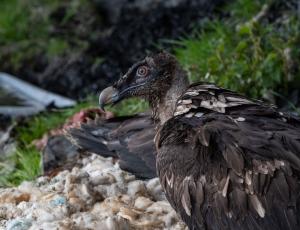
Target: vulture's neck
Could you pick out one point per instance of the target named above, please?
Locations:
(164, 106)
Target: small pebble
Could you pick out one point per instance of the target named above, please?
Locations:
(18, 224)
(142, 203)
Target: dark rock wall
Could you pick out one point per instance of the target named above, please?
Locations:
(117, 31)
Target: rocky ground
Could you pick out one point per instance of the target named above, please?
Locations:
(95, 195)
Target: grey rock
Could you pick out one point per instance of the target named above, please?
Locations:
(19, 98)
(59, 152)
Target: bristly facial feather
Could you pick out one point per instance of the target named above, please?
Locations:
(153, 79)
(149, 78)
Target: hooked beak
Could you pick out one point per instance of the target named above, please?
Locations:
(109, 95)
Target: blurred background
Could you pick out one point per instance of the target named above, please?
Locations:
(71, 49)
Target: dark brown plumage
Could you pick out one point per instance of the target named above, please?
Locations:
(127, 139)
(224, 161)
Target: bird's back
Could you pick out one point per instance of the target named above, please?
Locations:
(229, 162)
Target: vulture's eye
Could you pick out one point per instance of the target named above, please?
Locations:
(142, 71)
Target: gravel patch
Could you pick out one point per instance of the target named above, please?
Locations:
(99, 195)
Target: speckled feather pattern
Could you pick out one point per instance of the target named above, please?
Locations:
(228, 162)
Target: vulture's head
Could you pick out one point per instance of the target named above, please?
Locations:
(149, 79)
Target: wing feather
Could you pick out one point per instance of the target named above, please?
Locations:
(129, 139)
(248, 153)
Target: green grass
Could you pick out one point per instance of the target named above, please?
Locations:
(27, 167)
(26, 30)
(240, 54)
(244, 9)
(18, 40)
(40, 124)
(129, 106)
(27, 158)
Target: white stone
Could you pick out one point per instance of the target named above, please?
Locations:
(142, 203)
(97, 196)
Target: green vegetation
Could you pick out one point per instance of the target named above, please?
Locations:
(30, 29)
(27, 167)
(129, 107)
(27, 157)
(27, 30)
(243, 54)
(38, 125)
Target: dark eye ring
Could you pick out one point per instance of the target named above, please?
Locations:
(142, 71)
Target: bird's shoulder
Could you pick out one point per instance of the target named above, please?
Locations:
(237, 158)
(201, 98)
(196, 105)
(208, 115)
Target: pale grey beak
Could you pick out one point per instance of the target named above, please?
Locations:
(109, 95)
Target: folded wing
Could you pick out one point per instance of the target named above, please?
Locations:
(235, 163)
(128, 139)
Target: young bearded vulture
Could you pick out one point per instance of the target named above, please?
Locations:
(224, 161)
